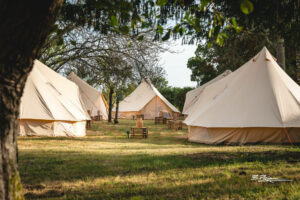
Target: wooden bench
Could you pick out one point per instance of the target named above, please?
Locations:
(139, 132)
(175, 124)
(160, 120)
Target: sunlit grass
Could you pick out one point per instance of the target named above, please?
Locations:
(107, 165)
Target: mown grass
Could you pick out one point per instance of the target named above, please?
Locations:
(107, 165)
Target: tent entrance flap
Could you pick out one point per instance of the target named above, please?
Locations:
(154, 107)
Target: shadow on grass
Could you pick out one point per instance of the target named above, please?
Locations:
(216, 187)
(39, 166)
(227, 188)
(155, 139)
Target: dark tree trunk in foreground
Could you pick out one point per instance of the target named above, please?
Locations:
(117, 109)
(24, 27)
(111, 92)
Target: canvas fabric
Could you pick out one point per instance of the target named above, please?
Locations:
(252, 104)
(50, 98)
(150, 110)
(92, 98)
(258, 94)
(193, 95)
(154, 107)
(127, 115)
(243, 135)
(52, 128)
(146, 100)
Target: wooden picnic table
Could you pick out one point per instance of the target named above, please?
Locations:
(160, 120)
(98, 118)
(175, 124)
(139, 132)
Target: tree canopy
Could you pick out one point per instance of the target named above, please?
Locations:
(272, 27)
(175, 95)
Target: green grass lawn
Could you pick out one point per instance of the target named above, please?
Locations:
(107, 165)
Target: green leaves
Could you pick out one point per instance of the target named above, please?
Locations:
(176, 28)
(237, 28)
(220, 36)
(60, 41)
(124, 29)
(211, 31)
(246, 7)
(160, 29)
(181, 31)
(224, 35)
(140, 38)
(161, 3)
(203, 5)
(167, 35)
(73, 42)
(220, 19)
(233, 22)
(133, 24)
(220, 39)
(146, 24)
(114, 21)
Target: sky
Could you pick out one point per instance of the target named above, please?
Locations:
(175, 64)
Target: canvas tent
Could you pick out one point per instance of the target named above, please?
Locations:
(257, 103)
(145, 100)
(193, 95)
(51, 105)
(93, 100)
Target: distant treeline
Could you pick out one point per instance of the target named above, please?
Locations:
(175, 95)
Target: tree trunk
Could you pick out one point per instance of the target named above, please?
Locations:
(111, 92)
(281, 53)
(116, 121)
(24, 27)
